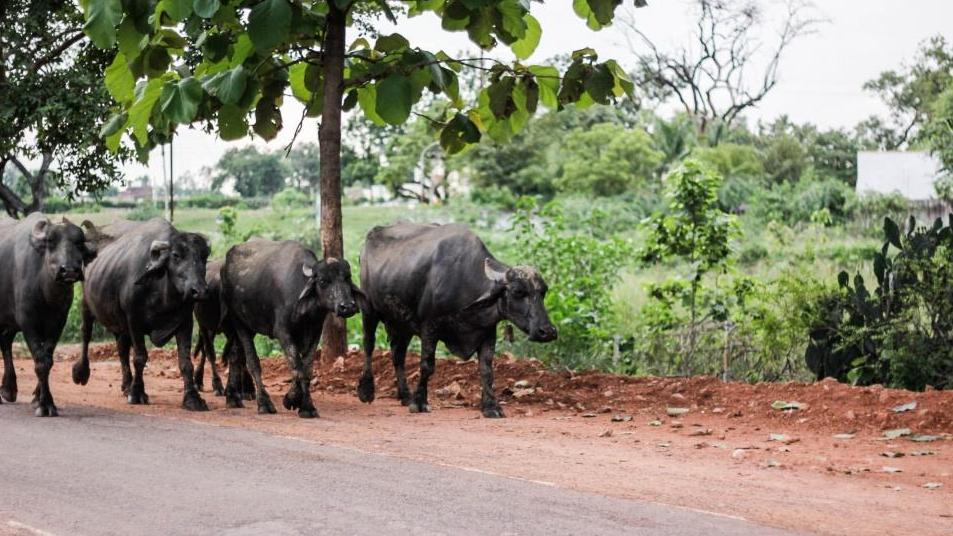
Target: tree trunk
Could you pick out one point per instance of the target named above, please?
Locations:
(329, 138)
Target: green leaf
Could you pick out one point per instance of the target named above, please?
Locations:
(141, 109)
(524, 47)
(156, 60)
(119, 80)
(182, 102)
(892, 231)
(269, 23)
(177, 10)
(206, 8)
(501, 95)
(267, 119)
(242, 49)
(390, 14)
(102, 17)
(115, 124)
(548, 79)
(129, 39)
(391, 43)
(394, 99)
(232, 123)
(367, 100)
(296, 79)
(228, 86)
(458, 133)
(511, 15)
(599, 84)
(603, 10)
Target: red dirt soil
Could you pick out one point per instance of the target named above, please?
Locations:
(614, 435)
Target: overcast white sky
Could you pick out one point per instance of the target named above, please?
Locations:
(820, 77)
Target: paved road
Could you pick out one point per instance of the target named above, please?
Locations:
(92, 471)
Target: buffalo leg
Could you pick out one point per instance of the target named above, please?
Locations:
(301, 360)
(81, 367)
(398, 356)
(191, 400)
(217, 388)
(247, 341)
(488, 404)
(137, 391)
(8, 389)
(236, 371)
(123, 345)
(200, 367)
(365, 386)
(43, 405)
(428, 355)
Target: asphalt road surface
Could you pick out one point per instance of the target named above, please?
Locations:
(92, 471)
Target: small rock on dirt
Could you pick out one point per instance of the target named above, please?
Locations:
(933, 485)
(523, 393)
(905, 407)
(675, 412)
(739, 454)
(890, 469)
(588, 415)
(892, 454)
(896, 432)
(606, 433)
(701, 432)
(618, 417)
(338, 364)
(522, 384)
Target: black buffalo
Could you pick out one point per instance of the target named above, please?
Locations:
(440, 282)
(145, 282)
(281, 290)
(208, 314)
(39, 262)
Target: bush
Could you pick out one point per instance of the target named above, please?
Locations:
(494, 196)
(794, 203)
(209, 200)
(145, 211)
(289, 199)
(581, 271)
(901, 334)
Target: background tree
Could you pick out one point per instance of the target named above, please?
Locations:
(304, 166)
(909, 94)
(608, 159)
(215, 62)
(713, 77)
(694, 230)
(53, 104)
(252, 173)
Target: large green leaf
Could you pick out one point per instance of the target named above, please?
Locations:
(367, 100)
(267, 119)
(511, 18)
(242, 49)
(548, 79)
(232, 123)
(525, 47)
(228, 86)
(115, 124)
(391, 43)
(269, 23)
(177, 10)
(102, 17)
(182, 101)
(141, 109)
(119, 80)
(892, 231)
(599, 84)
(603, 10)
(206, 8)
(296, 80)
(129, 40)
(394, 99)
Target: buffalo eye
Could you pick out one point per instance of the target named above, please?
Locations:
(323, 283)
(518, 293)
(176, 256)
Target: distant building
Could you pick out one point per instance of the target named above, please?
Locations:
(908, 173)
(136, 193)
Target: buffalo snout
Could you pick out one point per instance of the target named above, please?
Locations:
(69, 274)
(199, 292)
(544, 334)
(346, 308)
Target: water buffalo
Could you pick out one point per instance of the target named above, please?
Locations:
(145, 282)
(281, 290)
(440, 282)
(39, 262)
(208, 314)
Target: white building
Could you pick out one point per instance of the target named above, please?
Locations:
(908, 173)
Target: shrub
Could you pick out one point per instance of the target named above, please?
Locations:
(581, 270)
(143, 212)
(290, 198)
(902, 333)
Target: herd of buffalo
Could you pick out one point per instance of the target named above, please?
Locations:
(438, 282)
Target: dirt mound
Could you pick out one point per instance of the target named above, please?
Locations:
(526, 386)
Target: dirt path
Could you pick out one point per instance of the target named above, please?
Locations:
(717, 457)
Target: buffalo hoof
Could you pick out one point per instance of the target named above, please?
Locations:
(404, 398)
(7, 394)
(249, 395)
(193, 402)
(308, 413)
(217, 388)
(292, 399)
(45, 410)
(265, 406)
(365, 389)
(80, 372)
(233, 402)
(126, 385)
(415, 407)
(493, 412)
(140, 398)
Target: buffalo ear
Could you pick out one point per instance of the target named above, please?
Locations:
(40, 234)
(158, 259)
(487, 298)
(89, 252)
(359, 297)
